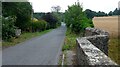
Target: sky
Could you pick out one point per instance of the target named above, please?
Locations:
(95, 5)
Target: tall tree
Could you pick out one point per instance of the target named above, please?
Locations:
(21, 10)
(76, 19)
(59, 15)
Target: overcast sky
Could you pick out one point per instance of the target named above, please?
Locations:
(95, 5)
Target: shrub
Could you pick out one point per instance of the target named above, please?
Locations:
(8, 28)
(51, 19)
(39, 25)
(76, 19)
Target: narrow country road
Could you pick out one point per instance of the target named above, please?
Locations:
(41, 50)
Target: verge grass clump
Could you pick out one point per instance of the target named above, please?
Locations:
(114, 49)
(70, 40)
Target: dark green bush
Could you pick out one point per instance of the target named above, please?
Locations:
(51, 19)
(22, 11)
(8, 28)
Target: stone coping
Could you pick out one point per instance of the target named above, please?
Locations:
(93, 55)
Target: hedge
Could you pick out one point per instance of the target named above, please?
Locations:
(39, 25)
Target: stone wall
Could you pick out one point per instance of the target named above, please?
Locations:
(92, 49)
(98, 38)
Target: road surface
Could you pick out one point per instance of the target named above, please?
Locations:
(41, 50)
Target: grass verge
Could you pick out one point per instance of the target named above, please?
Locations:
(69, 43)
(114, 50)
(23, 37)
(70, 40)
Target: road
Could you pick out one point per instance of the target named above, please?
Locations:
(41, 50)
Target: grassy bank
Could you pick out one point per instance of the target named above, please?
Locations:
(69, 44)
(70, 41)
(23, 37)
(114, 50)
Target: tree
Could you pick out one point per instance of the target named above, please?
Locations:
(116, 11)
(39, 15)
(101, 14)
(76, 19)
(110, 13)
(55, 8)
(51, 19)
(90, 14)
(22, 11)
(55, 11)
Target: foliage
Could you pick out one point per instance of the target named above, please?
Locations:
(8, 28)
(39, 16)
(51, 19)
(114, 51)
(66, 47)
(99, 14)
(115, 12)
(34, 19)
(22, 11)
(90, 14)
(110, 13)
(59, 16)
(76, 19)
(39, 25)
(70, 40)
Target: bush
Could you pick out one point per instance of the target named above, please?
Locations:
(51, 20)
(8, 28)
(76, 19)
(39, 25)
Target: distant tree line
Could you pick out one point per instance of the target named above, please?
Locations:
(90, 14)
(115, 12)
